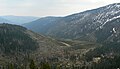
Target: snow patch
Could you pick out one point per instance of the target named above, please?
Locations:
(114, 30)
(110, 20)
(117, 5)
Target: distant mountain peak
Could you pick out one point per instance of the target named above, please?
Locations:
(19, 19)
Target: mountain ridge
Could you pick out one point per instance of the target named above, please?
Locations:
(86, 40)
(80, 25)
(18, 20)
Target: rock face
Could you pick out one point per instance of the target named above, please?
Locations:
(89, 25)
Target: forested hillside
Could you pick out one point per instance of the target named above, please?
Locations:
(21, 49)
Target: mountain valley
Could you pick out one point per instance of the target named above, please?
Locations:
(85, 40)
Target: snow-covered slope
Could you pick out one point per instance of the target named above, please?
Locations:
(85, 25)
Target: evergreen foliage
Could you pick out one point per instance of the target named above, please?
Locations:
(15, 39)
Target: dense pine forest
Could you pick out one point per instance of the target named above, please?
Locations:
(14, 39)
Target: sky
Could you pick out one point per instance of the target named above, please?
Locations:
(43, 8)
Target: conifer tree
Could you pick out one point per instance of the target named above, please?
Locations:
(32, 65)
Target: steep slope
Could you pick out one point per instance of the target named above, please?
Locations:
(15, 39)
(42, 25)
(18, 20)
(18, 45)
(111, 31)
(109, 35)
(82, 25)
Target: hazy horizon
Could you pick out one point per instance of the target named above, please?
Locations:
(42, 8)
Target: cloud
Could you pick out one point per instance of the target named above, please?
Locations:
(27, 4)
(49, 7)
